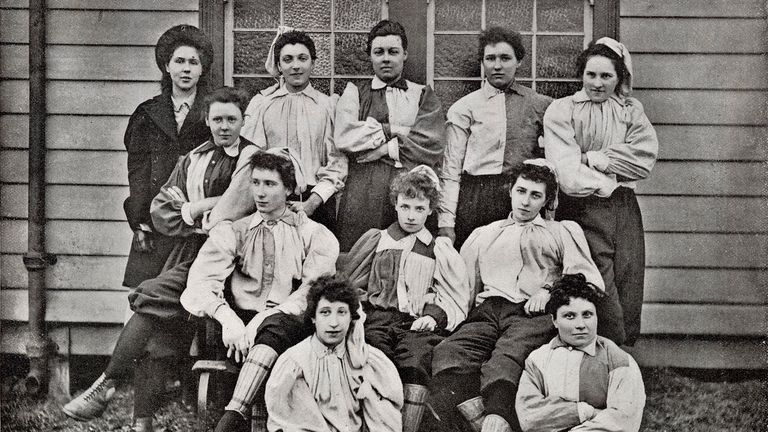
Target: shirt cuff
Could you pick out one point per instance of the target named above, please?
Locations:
(598, 160)
(186, 214)
(446, 220)
(393, 150)
(325, 190)
(145, 227)
(586, 411)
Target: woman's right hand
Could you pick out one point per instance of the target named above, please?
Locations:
(142, 241)
(232, 331)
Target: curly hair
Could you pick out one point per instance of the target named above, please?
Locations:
(293, 38)
(601, 50)
(386, 28)
(273, 162)
(334, 288)
(495, 35)
(414, 185)
(571, 286)
(538, 174)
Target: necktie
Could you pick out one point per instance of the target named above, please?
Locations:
(181, 114)
(268, 263)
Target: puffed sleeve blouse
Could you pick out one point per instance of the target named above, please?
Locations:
(620, 143)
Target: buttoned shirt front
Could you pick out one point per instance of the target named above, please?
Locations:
(488, 132)
(515, 260)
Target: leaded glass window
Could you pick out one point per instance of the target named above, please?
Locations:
(554, 33)
(338, 28)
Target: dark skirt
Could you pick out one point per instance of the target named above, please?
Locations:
(613, 227)
(482, 200)
(146, 265)
(365, 203)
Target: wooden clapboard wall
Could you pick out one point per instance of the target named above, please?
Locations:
(702, 75)
(100, 66)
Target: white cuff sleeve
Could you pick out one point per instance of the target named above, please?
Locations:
(598, 160)
(393, 150)
(586, 411)
(186, 214)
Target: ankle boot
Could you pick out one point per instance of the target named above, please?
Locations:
(92, 402)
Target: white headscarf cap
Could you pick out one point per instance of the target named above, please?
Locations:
(269, 64)
(623, 52)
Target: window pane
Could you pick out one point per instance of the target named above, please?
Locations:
(257, 13)
(450, 91)
(321, 84)
(457, 14)
(251, 49)
(456, 56)
(524, 69)
(557, 89)
(304, 15)
(350, 55)
(339, 84)
(323, 49)
(557, 56)
(560, 15)
(254, 85)
(357, 14)
(514, 14)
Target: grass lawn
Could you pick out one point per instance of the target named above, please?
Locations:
(678, 400)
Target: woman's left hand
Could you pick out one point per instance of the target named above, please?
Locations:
(425, 323)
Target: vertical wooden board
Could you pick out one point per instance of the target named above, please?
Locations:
(14, 26)
(715, 286)
(100, 98)
(14, 96)
(708, 214)
(102, 63)
(89, 27)
(14, 235)
(14, 166)
(67, 306)
(694, 8)
(706, 178)
(87, 167)
(71, 272)
(14, 62)
(705, 142)
(726, 320)
(745, 107)
(86, 132)
(706, 250)
(672, 35)
(14, 131)
(698, 71)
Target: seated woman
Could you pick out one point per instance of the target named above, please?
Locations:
(579, 381)
(252, 276)
(332, 381)
(159, 331)
(415, 287)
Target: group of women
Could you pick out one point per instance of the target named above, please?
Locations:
(599, 139)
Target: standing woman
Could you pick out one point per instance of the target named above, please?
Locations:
(161, 130)
(602, 143)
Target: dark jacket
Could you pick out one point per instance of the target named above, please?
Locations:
(154, 146)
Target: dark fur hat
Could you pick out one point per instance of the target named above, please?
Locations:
(183, 35)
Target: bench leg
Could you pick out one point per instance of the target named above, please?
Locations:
(202, 400)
